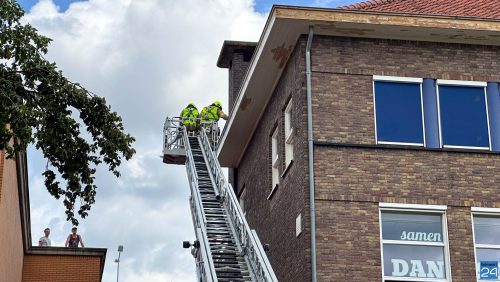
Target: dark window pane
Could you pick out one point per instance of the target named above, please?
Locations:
(463, 116)
(414, 261)
(412, 227)
(487, 230)
(399, 112)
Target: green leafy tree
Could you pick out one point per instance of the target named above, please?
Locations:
(38, 105)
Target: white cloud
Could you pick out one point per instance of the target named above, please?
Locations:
(149, 58)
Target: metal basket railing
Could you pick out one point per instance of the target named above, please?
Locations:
(173, 130)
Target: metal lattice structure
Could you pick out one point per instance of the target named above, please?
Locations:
(226, 248)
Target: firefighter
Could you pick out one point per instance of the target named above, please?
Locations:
(213, 113)
(189, 117)
(209, 116)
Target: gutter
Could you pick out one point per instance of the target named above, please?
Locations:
(310, 146)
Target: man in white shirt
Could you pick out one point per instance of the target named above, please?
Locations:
(45, 241)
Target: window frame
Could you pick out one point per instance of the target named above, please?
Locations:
(241, 200)
(288, 134)
(412, 209)
(462, 83)
(492, 212)
(274, 159)
(399, 79)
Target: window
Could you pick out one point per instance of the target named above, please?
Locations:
(275, 159)
(288, 134)
(298, 225)
(242, 201)
(463, 114)
(414, 244)
(399, 110)
(487, 244)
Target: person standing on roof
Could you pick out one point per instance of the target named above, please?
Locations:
(45, 241)
(74, 239)
(189, 117)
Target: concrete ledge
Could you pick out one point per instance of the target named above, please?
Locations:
(64, 251)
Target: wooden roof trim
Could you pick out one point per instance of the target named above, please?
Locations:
(386, 18)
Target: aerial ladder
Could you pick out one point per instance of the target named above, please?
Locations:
(226, 249)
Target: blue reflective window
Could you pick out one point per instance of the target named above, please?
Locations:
(399, 112)
(463, 116)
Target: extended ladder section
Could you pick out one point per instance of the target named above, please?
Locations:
(226, 248)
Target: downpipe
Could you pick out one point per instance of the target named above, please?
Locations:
(311, 153)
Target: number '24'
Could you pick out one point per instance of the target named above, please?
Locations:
(489, 273)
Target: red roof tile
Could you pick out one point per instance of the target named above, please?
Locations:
(467, 8)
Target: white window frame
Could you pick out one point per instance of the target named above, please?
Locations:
(412, 208)
(274, 160)
(241, 201)
(399, 79)
(487, 212)
(298, 225)
(289, 132)
(476, 84)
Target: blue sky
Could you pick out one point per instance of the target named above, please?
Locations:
(261, 6)
(264, 6)
(62, 4)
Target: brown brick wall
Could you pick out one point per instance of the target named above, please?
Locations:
(343, 110)
(53, 268)
(461, 244)
(350, 181)
(237, 71)
(407, 176)
(239, 66)
(342, 77)
(362, 175)
(11, 256)
(274, 219)
(347, 241)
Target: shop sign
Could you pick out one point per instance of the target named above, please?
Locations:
(417, 268)
(421, 236)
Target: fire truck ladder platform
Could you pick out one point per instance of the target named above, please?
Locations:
(226, 249)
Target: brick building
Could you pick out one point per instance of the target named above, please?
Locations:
(19, 260)
(402, 143)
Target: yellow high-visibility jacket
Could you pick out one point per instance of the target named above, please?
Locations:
(189, 115)
(212, 114)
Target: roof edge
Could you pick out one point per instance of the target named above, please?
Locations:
(366, 4)
(229, 47)
(380, 12)
(65, 251)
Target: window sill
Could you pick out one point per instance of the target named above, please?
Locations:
(400, 144)
(469, 148)
(272, 191)
(403, 147)
(287, 169)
